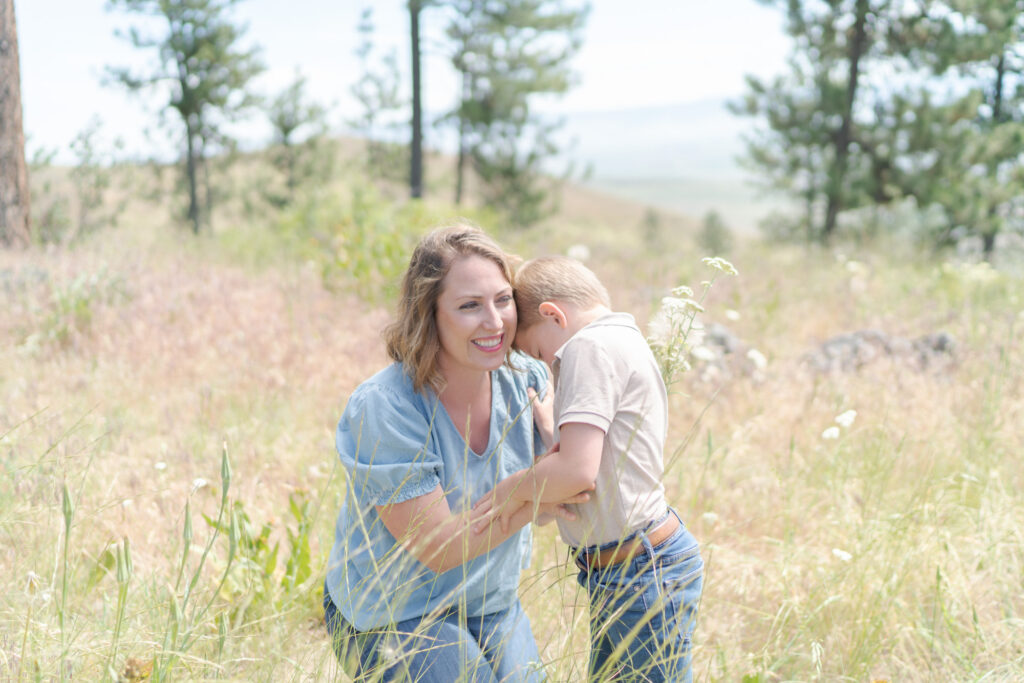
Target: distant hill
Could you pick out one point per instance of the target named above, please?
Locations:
(680, 157)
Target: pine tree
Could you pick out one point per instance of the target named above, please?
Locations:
(816, 115)
(714, 238)
(206, 74)
(972, 169)
(15, 221)
(299, 150)
(507, 54)
(378, 123)
(468, 45)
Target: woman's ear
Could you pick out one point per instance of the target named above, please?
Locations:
(553, 312)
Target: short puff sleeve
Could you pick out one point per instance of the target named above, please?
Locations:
(384, 444)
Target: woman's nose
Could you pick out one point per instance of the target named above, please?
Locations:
(493, 319)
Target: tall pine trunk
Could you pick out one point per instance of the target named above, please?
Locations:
(843, 136)
(15, 222)
(416, 146)
(191, 177)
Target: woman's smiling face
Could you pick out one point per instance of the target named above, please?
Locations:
(476, 316)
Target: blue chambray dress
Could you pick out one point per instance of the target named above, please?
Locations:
(396, 444)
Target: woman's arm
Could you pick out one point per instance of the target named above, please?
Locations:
(569, 470)
(441, 540)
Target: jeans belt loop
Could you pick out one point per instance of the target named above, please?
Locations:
(646, 540)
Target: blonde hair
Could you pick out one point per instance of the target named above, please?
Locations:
(555, 278)
(412, 339)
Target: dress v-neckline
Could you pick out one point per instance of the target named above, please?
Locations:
(490, 423)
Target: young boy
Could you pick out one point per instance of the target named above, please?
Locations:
(641, 567)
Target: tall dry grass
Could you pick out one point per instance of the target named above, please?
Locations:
(892, 552)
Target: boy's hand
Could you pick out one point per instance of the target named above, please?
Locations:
(543, 414)
(549, 511)
(497, 504)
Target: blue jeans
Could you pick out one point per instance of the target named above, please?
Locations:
(446, 648)
(642, 612)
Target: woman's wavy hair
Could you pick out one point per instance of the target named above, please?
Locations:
(412, 339)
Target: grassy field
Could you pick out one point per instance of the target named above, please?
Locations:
(131, 366)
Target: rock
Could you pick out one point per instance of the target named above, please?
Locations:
(720, 355)
(851, 351)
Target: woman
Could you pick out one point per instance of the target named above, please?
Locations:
(412, 593)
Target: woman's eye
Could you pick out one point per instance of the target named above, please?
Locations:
(468, 306)
(506, 299)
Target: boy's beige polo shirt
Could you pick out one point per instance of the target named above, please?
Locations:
(606, 376)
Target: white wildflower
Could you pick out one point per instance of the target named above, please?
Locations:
(732, 315)
(842, 554)
(710, 518)
(127, 503)
(579, 252)
(721, 264)
(757, 358)
(672, 304)
(680, 306)
(684, 291)
(160, 466)
(704, 354)
(830, 433)
(199, 483)
(845, 419)
(693, 305)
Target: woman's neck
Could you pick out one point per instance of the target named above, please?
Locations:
(465, 388)
(466, 398)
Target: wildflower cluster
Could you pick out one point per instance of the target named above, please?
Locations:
(671, 327)
(844, 419)
(719, 263)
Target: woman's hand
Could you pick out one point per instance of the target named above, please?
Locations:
(497, 505)
(552, 449)
(544, 414)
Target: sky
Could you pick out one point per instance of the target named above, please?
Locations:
(636, 54)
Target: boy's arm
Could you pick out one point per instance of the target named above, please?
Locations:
(441, 539)
(564, 473)
(554, 478)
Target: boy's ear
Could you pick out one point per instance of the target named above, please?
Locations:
(553, 312)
